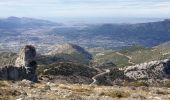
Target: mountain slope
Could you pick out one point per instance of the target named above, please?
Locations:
(67, 52)
(68, 72)
(133, 55)
(69, 48)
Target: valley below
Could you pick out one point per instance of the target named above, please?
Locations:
(43, 60)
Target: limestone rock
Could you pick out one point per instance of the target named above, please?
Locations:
(26, 56)
(151, 70)
(26, 59)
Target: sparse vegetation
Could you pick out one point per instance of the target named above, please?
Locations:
(54, 91)
(160, 92)
(7, 58)
(2, 84)
(118, 60)
(115, 73)
(167, 84)
(52, 59)
(45, 88)
(138, 84)
(116, 94)
(67, 68)
(8, 94)
(138, 54)
(79, 89)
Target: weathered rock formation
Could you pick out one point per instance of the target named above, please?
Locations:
(24, 68)
(151, 70)
(26, 56)
(154, 72)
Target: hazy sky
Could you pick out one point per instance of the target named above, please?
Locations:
(85, 8)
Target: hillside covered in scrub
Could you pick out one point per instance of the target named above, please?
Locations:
(70, 63)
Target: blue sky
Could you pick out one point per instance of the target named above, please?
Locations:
(85, 8)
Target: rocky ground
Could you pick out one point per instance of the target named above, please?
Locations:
(27, 90)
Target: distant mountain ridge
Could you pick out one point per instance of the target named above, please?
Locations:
(24, 22)
(21, 31)
(118, 35)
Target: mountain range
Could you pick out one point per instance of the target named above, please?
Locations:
(45, 34)
(72, 61)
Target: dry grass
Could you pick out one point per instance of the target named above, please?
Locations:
(167, 84)
(161, 92)
(137, 84)
(78, 89)
(3, 84)
(54, 91)
(116, 94)
(8, 94)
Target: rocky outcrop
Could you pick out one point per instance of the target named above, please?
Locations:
(151, 71)
(26, 56)
(24, 68)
